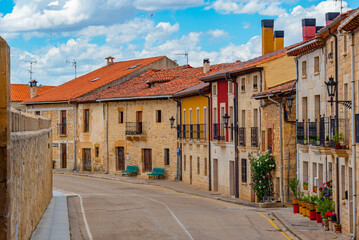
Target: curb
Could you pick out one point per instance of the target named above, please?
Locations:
(228, 200)
(286, 226)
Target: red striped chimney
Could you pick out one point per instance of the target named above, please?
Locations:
(330, 16)
(308, 28)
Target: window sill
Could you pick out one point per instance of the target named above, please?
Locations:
(244, 184)
(62, 135)
(304, 76)
(316, 73)
(330, 61)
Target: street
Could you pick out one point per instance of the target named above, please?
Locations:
(105, 209)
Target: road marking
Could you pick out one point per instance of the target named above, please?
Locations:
(275, 226)
(83, 214)
(173, 215)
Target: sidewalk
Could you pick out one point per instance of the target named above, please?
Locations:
(302, 227)
(54, 224)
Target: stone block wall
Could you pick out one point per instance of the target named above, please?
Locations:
(30, 176)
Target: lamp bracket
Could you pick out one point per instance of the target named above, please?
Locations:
(347, 104)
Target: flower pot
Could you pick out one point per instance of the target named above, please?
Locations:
(334, 218)
(319, 217)
(312, 207)
(312, 215)
(295, 208)
(308, 213)
(305, 187)
(295, 201)
(326, 225)
(338, 229)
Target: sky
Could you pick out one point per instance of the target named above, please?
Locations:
(55, 33)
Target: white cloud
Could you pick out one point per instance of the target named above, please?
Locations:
(217, 33)
(269, 7)
(152, 5)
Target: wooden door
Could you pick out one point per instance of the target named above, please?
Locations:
(231, 178)
(87, 159)
(63, 156)
(190, 170)
(215, 175)
(63, 122)
(147, 159)
(139, 122)
(270, 139)
(120, 159)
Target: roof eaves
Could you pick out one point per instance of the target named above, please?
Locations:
(345, 24)
(53, 102)
(133, 98)
(291, 52)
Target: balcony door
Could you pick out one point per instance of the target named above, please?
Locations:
(63, 155)
(63, 122)
(139, 122)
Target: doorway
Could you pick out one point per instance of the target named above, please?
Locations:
(63, 155)
(215, 175)
(147, 159)
(120, 159)
(231, 178)
(87, 159)
(190, 169)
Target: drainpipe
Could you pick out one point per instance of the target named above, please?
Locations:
(179, 144)
(281, 148)
(107, 148)
(74, 168)
(336, 114)
(353, 134)
(209, 140)
(296, 112)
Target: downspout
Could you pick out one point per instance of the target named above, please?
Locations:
(179, 144)
(209, 141)
(107, 148)
(74, 168)
(336, 115)
(281, 148)
(296, 113)
(353, 134)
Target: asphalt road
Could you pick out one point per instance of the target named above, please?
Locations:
(104, 209)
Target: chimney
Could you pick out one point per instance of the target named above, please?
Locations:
(206, 66)
(109, 60)
(317, 28)
(267, 36)
(33, 89)
(308, 28)
(330, 16)
(278, 40)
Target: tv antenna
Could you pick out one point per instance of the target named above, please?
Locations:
(30, 70)
(183, 54)
(341, 5)
(74, 63)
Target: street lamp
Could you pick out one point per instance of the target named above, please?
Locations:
(226, 119)
(332, 88)
(289, 101)
(172, 121)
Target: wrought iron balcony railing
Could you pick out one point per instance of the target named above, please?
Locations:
(134, 128)
(242, 136)
(254, 136)
(61, 129)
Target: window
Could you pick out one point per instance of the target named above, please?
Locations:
(158, 116)
(120, 117)
(305, 171)
(97, 151)
(63, 120)
(243, 84)
(205, 167)
(255, 82)
(330, 171)
(167, 156)
(86, 120)
(314, 174)
(184, 116)
(317, 107)
(243, 118)
(244, 170)
(198, 166)
(304, 108)
(230, 87)
(190, 116)
(214, 90)
(304, 69)
(270, 139)
(316, 65)
(198, 116)
(345, 43)
(343, 181)
(37, 113)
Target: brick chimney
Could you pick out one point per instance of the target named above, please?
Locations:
(308, 28)
(267, 36)
(206, 65)
(330, 16)
(278, 40)
(109, 60)
(33, 89)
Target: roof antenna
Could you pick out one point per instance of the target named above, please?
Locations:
(183, 54)
(341, 5)
(74, 63)
(30, 70)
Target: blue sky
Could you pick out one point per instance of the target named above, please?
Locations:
(54, 31)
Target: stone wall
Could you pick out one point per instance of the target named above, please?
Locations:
(30, 181)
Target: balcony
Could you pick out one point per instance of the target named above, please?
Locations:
(61, 129)
(254, 136)
(242, 136)
(134, 128)
(322, 133)
(219, 132)
(197, 132)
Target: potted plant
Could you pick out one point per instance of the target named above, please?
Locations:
(318, 211)
(293, 185)
(312, 207)
(326, 221)
(305, 185)
(305, 141)
(337, 138)
(338, 227)
(312, 141)
(327, 141)
(315, 188)
(300, 201)
(318, 141)
(305, 206)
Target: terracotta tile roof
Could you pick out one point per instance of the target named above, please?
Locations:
(305, 46)
(181, 78)
(243, 66)
(91, 81)
(352, 22)
(333, 26)
(194, 90)
(21, 92)
(277, 90)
